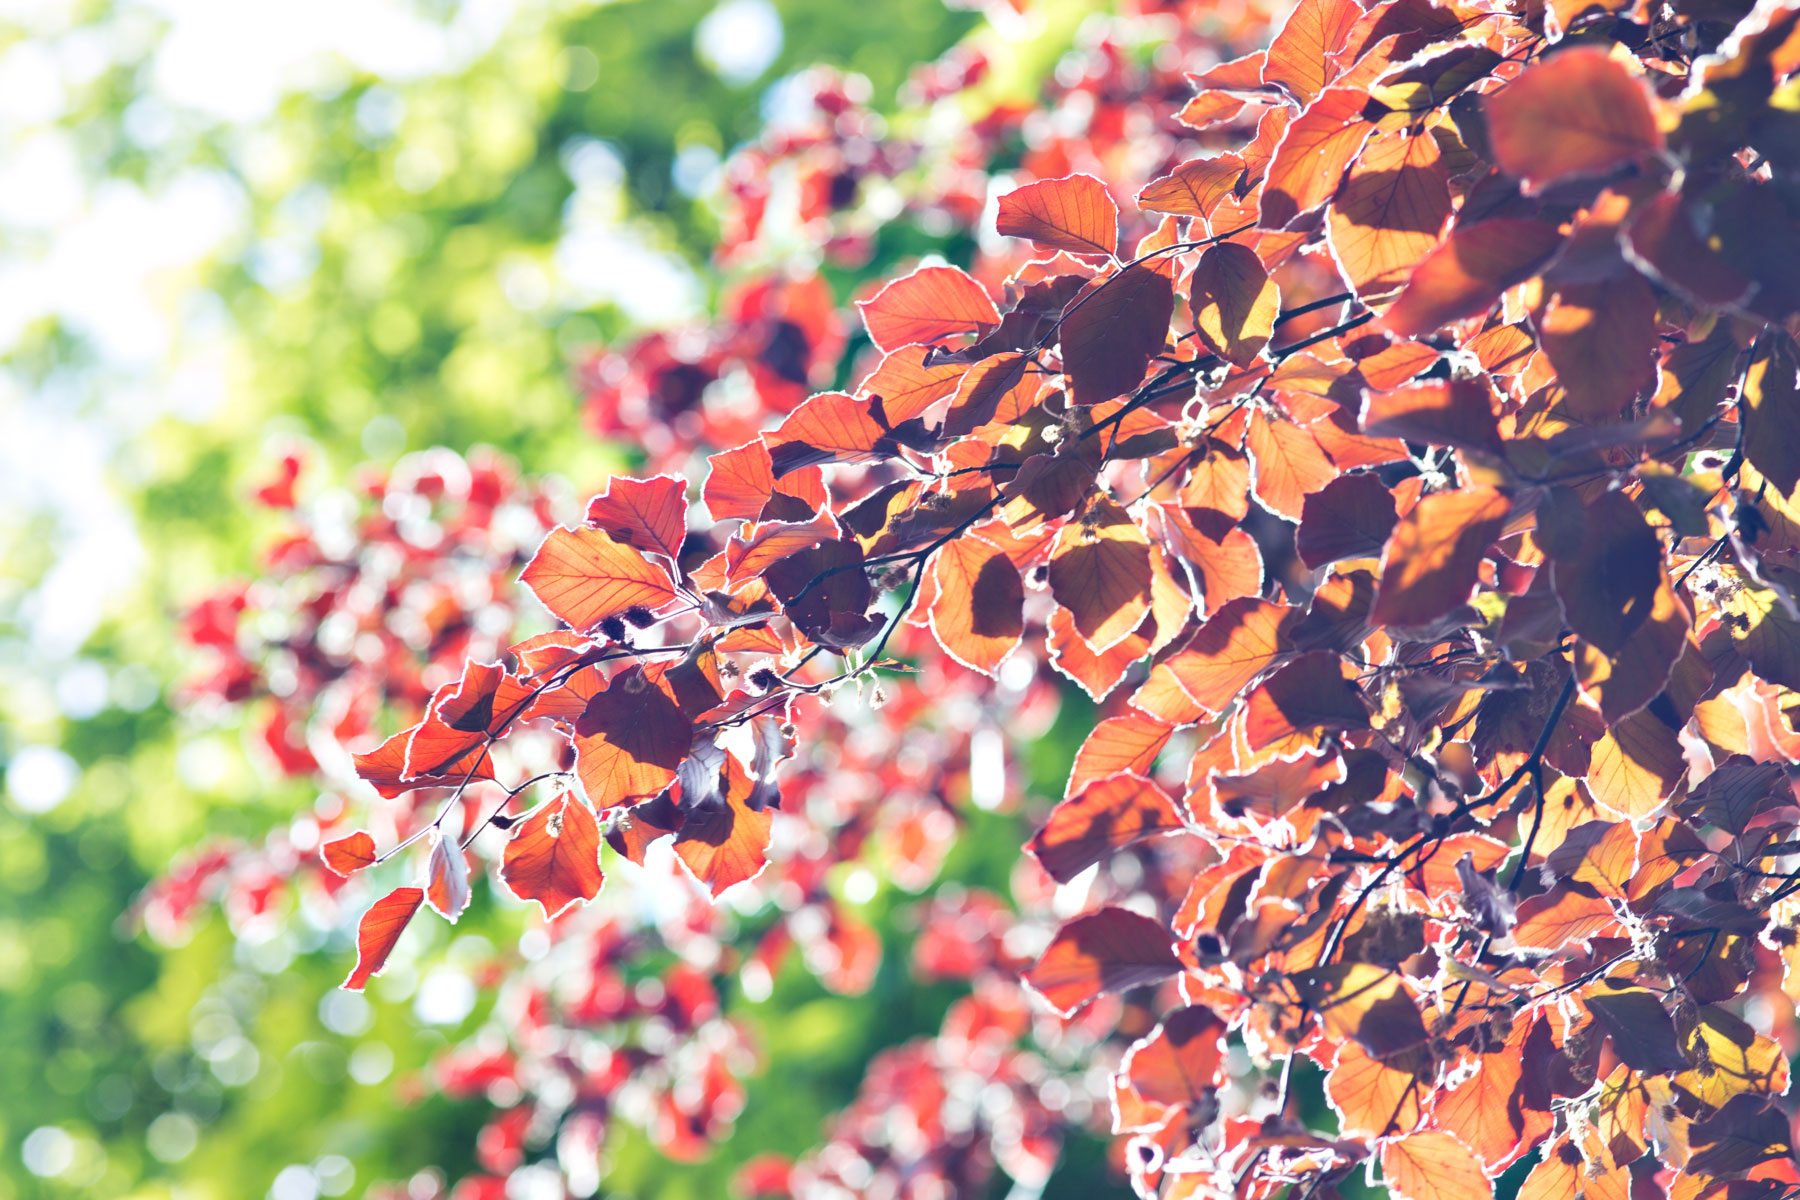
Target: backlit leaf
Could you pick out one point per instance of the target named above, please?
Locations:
(1105, 951)
(646, 514)
(1350, 517)
(584, 576)
(379, 931)
(1578, 112)
(978, 611)
(1105, 816)
(1390, 211)
(1075, 214)
(1234, 302)
(1112, 328)
(926, 306)
(1100, 572)
(553, 856)
(1465, 275)
(1432, 1166)
(1310, 161)
(348, 855)
(1429, 566)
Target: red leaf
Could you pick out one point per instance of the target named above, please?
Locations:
(1075, 214)
(1105, 951)
(1309, 163)
(554, 856)
(1431, 562)
(739, 482)
(1118, 745)
(926, 306)
(630, 739)
(1466, 274)
(1350, 517)
(1578, 112)
(903, 387)
(1560, 918)
(648, 514)
(348, 855)
(384, 768)
(379, 930)
(1112, 328)
(1180, 1064)
(1290, 464)
(1105, 816)
(1234, 303)
(583, 576)
(998, 388)
(978, 609)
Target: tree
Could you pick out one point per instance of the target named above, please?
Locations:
(1387, 430)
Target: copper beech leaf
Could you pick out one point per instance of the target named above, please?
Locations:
(1350, 517)
(1234, 303)
(584, 576)
(978, 607)
(1100, 572)
(645, 514)
(1105, 816)
(553, 856)
(1112, 328)
(1578, 112)
(347, 855)
(379, 931)
(1194, 188)
(927, 306)
(1300, 59)
(1390, 211)
(1105, 951)
(1772, 412)
(1314, 152)
(1606, 566)
(1432, 1166)
(447, 876)
(829, 428)
(1431, 561)
(1465, 275)
(1075, 214)
(723, 840)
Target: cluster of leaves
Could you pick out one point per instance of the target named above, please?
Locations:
(1418, 495)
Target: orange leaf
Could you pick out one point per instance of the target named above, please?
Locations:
(647, 514)
(1561, 917)
(1118, 745)
(739, 482)
(1372, 1097)
(1468, 271)
(350, 854)
(630, 739)
(1350, 517)
(1300, 58)
(1100, 571)
(1194, 188)
(1075, 214)
(829, 428)
(1105, 951)
(1112, 328)
(930, 304)
(1433, 1166)
(1483, 1111)
(1107, 815)
(723, 841)
(1309, 163)
(1237, 643)
(1234, 303)
(1308, 693)
(904, 387)
(1390, 211)
(1444, 412)
(554, 856)
(978, 610)
(1290, 464)
(1578, 112)
(1179, 1064)
(1431, 561)
(583, 576)
(1636, 766)
(379, 930)
(998, 388)
(384, 768)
